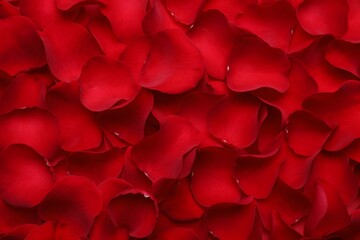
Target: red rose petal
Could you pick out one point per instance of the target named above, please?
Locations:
(22, 48)
(228, 220)
(230, 8)
(18, 186)
(51, 230)
(105, 82)
(161, 154)
(8, 10)
(177, 233)
(135, 212)
(344, 55)
(328, 213)
(343, 114)
(74, 201)
(184, 11)
(352, 33)
(300, 39)
(31, 126)
(97, 166)
(320, 17)
(213, 178)
(306, 133)
(180, 204)
(214, 37)
(235, 120)
(253, 64)
(68, 47)
(166, 104)
(280, 230)
(174, 64)
(20, 232)
(353, 150)
(104, 228)
(78, 127)
(67, 4)
(125, 17)
(272, 23)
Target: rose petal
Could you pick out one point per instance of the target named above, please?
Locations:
(213, 178)
(8, 10)
(20, 232)
(214, 37)
(74, 201)
(184, 11)
(166, 104)
(67, 4)
(230, 8)
(253, 64)
(51, 230)
(272, 23)
(328, 213)
(105, 82)
(235, 120)
(79, 129)
(68, 47)
(104, 228)
(307, 133)
(177, 233)
(125, 17)
(228, 220)
(352, 33)
(300, 39)
(319, 17)
(280, 230)
(22, 48)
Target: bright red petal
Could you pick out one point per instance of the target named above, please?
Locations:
(184, 11)
(352, 34)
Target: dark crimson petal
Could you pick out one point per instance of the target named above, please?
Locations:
(22, 48)
(214, 37)
(97, 166)
(228, 220)
(253, 64)
(134, 211)
(235, 120)
(292, 205)
(328, 213)
(128, 122)
(79, 129)
(103, 33)
(280, 230)
(272, 23)
(353, 150)
(184, 11)
(167, 104)
(301, 86)
(50, 231)
(105, 82)
(68, 47)
(319, 17)
(67, 4)
(31, 126)
(344, 55)
(104, 228)
(18, 186)
(125, 17)
(177, 233)
(26, 90)
(306, 133)
(343, 114)
(74, 201)
(351, 232)
(20, 232)
(180, 204)
(230, 8)
(352, 33)
(161, 155)
(7, 10)
(213, 178)
(335, 169)
(174, 64)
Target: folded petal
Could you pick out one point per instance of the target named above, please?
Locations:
(253, 64)
(174, 64)
(235, 120)
(213, 178)
(104, 228)
(320, 17)
(184, 11)
(273, 23)
(230, 8)
(74, 201)
(67, 4)
(280, 230)
(22, 48)
(68, 47)
(8, 10)
(105, 82)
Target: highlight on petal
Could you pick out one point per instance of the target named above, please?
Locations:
(79, 129)
(215, 38)
(306, 133)
(161, 155)
(74, 201)
(253, 64)
(125, 17)
(273, 23)
(213, 180)
(228, 220)
(105, 83)
(184, 11)
(343, 114)
(352, 34)
(328, 213)
(173, 65)
(319, 17)
(21, 49)
(34, 127)
(25, 179)
(68, 47)
(235, 120)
